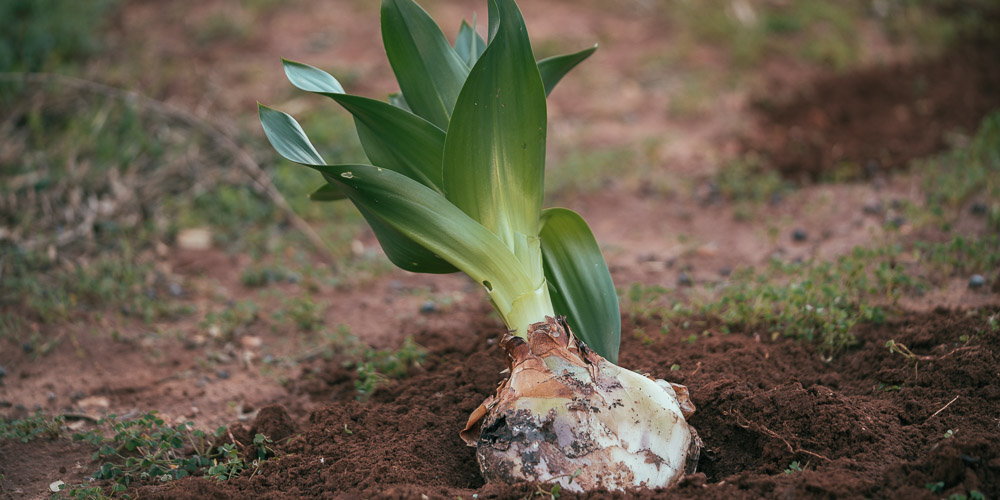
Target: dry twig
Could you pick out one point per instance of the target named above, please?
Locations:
(942, 408)
(747, 424)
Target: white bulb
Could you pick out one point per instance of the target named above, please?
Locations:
(568, 416)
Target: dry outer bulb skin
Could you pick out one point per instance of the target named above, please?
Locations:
(566, 415)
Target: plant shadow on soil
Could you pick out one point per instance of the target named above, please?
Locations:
(870, 423)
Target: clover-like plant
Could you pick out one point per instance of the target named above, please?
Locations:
(455, 183)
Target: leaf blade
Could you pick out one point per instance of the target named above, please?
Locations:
(391, 137)
(494, 156)
(579, 281)
(288, 138)
(327, 192)
(468, 44)
(555, 68)
(429, 72)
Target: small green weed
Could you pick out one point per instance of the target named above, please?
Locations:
(746, 179)
(793, 468)
(818, 301)
(961, 175)
(231, 321)
(35, 427)
(973, 495)
(147, 448)
(644, 300)
(380, 365)
(117, 281)
(259, 276)
(301, 313)
(961, 256)
(935, 487)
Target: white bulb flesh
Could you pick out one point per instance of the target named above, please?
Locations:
(568, 416)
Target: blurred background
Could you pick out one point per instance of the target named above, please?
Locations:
(145, 221)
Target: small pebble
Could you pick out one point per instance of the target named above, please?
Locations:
(222, 374)
(684, 279)
(725, 271)
(51, 396)
(428, 307)
(979, 208)
(269, 359)
(175, 290)
(799, 235)
(977, 281)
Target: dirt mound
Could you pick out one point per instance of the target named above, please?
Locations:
(869, 423)
(878, 118)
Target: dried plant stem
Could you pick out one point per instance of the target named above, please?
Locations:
(747, 424)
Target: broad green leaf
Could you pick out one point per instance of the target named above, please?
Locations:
(426, 217)
(327, 192)
(402, 251)
(288, 138)
(579, 281)
(392, 137)
(494, 154)
(555, 67)
(429, 72)
(468, 44)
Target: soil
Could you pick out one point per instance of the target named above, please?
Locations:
(869, 423)
(880, 118)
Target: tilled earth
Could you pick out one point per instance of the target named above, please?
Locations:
(869, 423)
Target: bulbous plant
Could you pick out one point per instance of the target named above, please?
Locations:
(456, 184)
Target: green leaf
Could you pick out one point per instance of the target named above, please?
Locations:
(327, 192)
(429, 72)
(288, 138)
(494, 154)
(392, 137)
(469, 45)
(427, 218)
(555, 67)
(579, 281)
(397, 99)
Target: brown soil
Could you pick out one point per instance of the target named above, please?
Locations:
(867, 424)
(880, 117)
(762, 403)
